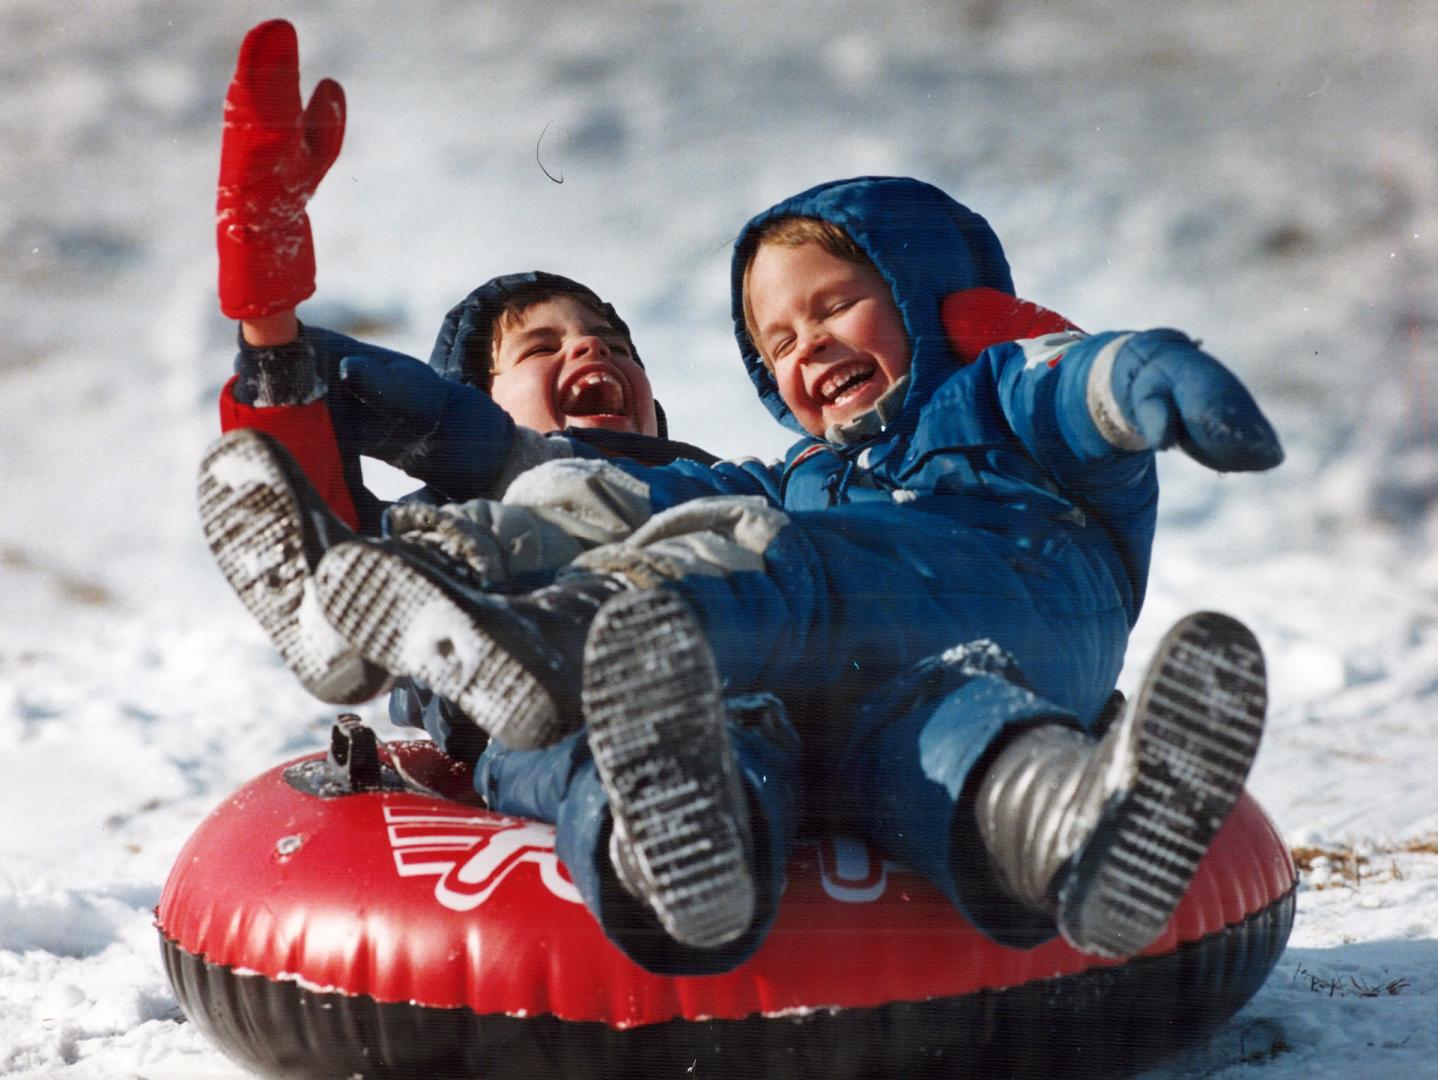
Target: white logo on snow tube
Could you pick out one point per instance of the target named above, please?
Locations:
(851, 871)
(472, 855)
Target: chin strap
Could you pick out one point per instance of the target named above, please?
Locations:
(869, 424)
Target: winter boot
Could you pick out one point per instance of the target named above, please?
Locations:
(1106, 836)
(510, 663)
(268, 529)
(681, 840)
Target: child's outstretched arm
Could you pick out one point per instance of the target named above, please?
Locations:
(456, 439)
(1144, 391)
(1092, 411)
(1162, 390)
(1079, 401)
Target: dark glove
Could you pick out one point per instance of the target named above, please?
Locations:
(272, 158)
(1169, 391)
(448, 435)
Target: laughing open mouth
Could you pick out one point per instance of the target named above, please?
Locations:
(839, 385)
(594, 392)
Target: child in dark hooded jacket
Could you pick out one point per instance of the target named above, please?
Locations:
(444, 429)
(329, 399)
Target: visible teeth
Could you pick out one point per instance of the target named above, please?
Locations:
(836, 383)
(594, 392)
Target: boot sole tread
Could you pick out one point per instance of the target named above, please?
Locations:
(1200, 715)
(657, 732)
(254, 528)
(405, 623)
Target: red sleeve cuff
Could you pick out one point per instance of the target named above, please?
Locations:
(308, 434)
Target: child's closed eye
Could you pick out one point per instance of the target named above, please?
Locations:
(509, 360)
(537, 348)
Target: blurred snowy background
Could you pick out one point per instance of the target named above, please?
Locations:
(1260, 173)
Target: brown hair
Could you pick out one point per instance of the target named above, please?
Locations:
(524, 297)
(792, 232)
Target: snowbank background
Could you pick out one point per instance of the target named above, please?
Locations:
(1263, 173)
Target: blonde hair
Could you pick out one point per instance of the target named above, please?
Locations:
(792, 232)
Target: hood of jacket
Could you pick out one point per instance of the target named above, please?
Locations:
(924, 245)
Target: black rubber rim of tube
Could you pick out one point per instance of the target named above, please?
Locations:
(1107, 1022)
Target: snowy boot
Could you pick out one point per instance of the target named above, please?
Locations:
(681, 840)
(509, 663)
(1106, 836)
(268, 529)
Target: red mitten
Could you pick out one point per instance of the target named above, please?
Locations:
(974, 319)
(273, 157)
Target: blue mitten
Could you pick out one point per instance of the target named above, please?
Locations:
(1169, 391)
(448, 435)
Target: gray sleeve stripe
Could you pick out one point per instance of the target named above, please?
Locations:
(1103, 406)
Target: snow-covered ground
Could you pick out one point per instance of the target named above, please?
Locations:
(1263, 173)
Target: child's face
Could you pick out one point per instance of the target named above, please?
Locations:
(557, 364)
(829, 329)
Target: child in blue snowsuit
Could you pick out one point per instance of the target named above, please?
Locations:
(1012, 500)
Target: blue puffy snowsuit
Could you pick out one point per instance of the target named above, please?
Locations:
(996, 503)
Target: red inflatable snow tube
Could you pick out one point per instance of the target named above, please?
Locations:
(314, 931)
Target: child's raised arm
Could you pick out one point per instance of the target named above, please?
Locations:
(273, 156)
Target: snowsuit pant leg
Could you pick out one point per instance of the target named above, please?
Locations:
(907, 768)
(560, 784)
(850, 597)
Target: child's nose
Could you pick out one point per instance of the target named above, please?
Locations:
(813, 345)
(588, 347)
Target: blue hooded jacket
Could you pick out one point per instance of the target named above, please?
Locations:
(923, 243)
(1005, 443)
